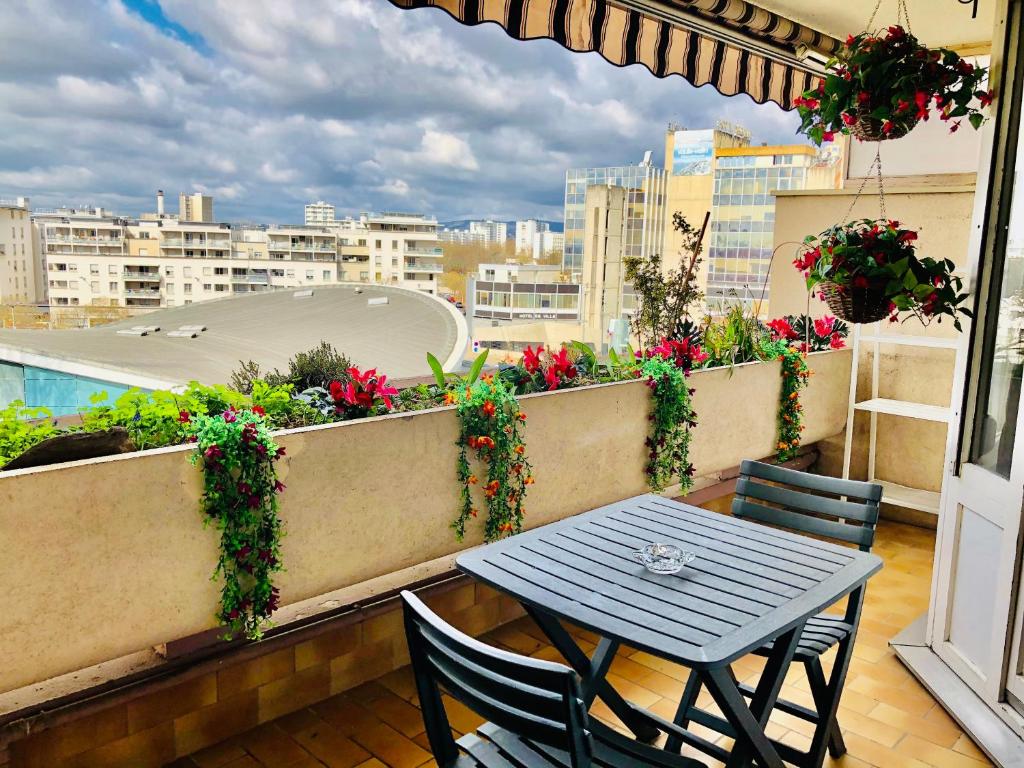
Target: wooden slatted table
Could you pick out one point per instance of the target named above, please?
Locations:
(749, 584)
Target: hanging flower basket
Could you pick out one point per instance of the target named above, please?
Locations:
(857, 305)
(879, 87)
(868, 128)
(869, 269)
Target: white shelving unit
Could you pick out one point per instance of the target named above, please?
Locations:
(892, 493)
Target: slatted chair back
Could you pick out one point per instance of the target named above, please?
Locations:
(532, 698)
(808, 503)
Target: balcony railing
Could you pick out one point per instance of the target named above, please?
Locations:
(146, 276)
(425, 251)
(412, 265)
(142, 293)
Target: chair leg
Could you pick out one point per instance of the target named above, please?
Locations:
(682, 718)
(819, 690)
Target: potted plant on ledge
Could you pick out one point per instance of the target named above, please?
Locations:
(879, 87)
(868, 269)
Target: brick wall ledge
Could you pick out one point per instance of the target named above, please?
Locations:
(51, 703)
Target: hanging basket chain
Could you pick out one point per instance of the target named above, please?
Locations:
(902, 14)
(876, 167)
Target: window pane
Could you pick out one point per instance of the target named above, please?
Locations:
(999, 396)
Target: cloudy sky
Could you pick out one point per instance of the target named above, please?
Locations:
(268, 104)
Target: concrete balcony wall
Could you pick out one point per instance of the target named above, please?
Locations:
(108, 557)
(909, 451)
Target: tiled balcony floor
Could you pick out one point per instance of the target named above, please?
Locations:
(888, 719)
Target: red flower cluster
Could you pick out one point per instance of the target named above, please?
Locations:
(685, 354)
(782, 330)
(555, 368)
(364, 392)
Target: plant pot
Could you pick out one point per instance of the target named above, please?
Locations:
(868, 128)
(857, 305)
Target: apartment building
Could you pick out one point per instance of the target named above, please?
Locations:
(195, 207)
(17, 254)
(319, 214)
(402, 249)
(536, 238)
(488, 232)
(92, 259)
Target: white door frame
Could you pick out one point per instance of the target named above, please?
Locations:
(995, 499)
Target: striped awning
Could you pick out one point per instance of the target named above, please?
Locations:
(731, 44)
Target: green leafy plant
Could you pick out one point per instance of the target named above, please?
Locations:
(490, 436)
(795, 375)
(445, 380)
(879, 255)
(156, 419)
(240, 489)
(672, 418)
(22, 427)
(892, 82)
(316, 367)
(736, 337)
(666, 298)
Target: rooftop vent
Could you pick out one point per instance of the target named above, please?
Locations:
(199, 328)
(307, 294)
(133, 332)
(149, 328)
(377, 301)
(182, 334)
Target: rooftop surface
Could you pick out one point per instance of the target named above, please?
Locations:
(268, 328)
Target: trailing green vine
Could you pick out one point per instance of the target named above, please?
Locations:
(490, 432)
(795, 374)
(672, 418)
(240, 498)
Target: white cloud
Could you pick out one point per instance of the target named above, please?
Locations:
(394, 187)
(363, 104)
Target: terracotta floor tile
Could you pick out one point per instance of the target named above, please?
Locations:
(391, 747)
(330, 747)
(888, 719)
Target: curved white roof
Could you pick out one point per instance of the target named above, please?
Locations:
(384, 327)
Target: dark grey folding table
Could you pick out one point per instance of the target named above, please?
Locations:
(749, 584)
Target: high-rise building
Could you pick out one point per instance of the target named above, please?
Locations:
(526, 232)
(17, 253)
(536, 238)
(492, 232)
(195, 207)
(319, 213)
(739, 245)
(644, 224)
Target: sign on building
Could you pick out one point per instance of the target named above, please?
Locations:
(692, 152)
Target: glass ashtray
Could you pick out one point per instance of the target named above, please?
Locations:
(663, 559)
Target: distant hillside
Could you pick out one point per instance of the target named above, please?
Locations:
(556, 226)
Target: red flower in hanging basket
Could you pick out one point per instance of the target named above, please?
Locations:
(880, 88)
(869, 269)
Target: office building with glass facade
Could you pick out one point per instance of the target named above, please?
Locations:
(739, 249)
(645, 221)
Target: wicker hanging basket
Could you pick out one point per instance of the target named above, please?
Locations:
(868, 128)
(857, 305)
